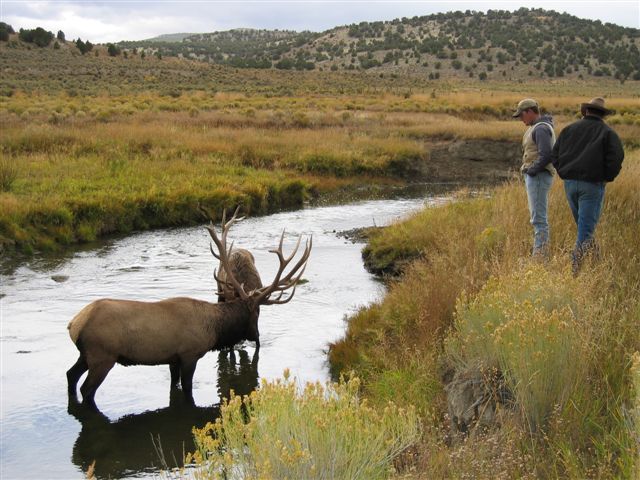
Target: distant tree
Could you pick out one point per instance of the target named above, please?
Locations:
(7, 27)
(112, 50)
(88, 45)
(60, 36)
(39, 36)
(285, 64)
(56, 45)
(81, 46)
(482, 76)
(5, 31)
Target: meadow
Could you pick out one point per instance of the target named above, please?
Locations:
(75, 168)
(122, 146)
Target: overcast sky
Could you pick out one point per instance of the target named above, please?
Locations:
(114, 20)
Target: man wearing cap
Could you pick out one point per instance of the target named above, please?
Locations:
(587, 155)
(537, 143)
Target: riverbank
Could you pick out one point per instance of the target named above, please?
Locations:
(469, 299)
(74, 169)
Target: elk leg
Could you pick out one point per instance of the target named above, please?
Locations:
(187, 369)
(175, 373)
(97, 374)
(74, 374)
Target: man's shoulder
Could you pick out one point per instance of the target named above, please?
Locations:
(577, 125)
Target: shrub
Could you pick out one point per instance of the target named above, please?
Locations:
(325, 432)
(528, 326)
(39, 36)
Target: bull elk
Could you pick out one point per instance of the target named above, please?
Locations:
(176, 331)
(243, 266)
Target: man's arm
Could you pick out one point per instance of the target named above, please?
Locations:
(613, 156)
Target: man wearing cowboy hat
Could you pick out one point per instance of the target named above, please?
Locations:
(588, 154)
(537, 142)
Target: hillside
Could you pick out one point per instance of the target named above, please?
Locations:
(494, 45)
(518, 46)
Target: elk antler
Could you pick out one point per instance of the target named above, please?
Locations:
(224, 252)
(281, 284)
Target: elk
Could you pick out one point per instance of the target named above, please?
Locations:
(176, 331)
(243, 266)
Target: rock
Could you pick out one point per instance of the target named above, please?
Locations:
(357, 235)
(59, 278)
(473, 400)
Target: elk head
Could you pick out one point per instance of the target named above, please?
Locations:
(283, 286)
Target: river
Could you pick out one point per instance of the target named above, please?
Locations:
(43, 436)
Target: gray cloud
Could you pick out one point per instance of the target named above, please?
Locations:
(131, 20)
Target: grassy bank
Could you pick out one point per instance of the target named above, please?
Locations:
(472, 298)
(74, 168)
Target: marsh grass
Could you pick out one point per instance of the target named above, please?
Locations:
(322, 432)
(137, 159)
(8, 173)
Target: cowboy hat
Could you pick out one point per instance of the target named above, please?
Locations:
(596, 104)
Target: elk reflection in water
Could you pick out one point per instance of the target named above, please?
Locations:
(158, 439)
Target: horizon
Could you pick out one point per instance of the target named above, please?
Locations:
(126, 20)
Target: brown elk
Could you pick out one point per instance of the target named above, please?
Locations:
(243, 266)
(176, 331)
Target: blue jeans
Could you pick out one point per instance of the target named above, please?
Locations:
(585, 200)
(538, 195)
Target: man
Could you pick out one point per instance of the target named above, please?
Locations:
(537, 143)
(587, 155)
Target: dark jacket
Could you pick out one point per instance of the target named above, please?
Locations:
(588, 150)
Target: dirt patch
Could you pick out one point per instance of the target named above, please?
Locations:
(469, 161)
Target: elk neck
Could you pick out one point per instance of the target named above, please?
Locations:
(232, 322)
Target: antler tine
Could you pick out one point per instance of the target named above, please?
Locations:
(302, 261)
(291, 279)
(233, 218)
(295, 250)
(224, 253)
(277, 301)
(278, 251)
(213, 251)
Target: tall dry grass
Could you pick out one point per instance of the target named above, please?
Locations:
(582, 432)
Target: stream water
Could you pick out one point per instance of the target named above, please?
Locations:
(43, 436)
